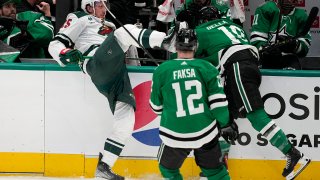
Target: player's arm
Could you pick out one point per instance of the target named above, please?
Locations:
(146, 37)
(261, 25)
(63, 43)
(219, 106)
(156, 99)
(218, 103)
(39, 28)
(304, 42)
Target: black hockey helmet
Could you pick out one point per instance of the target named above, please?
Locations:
(287, 5)
(209, 13)
(186, 40)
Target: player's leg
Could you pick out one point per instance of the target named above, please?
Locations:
(121, 131)
(209, 159)
(248, 91)
(225, 148)
(262, 123)
(245, 77)
(170, 160)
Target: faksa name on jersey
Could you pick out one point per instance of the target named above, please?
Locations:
(184, 73)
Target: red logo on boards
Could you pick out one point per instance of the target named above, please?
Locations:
(301, 3)
(316, 23)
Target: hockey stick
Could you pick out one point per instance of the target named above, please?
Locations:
(133, 59)
(140, 45)
(279, 21)
(312, 16)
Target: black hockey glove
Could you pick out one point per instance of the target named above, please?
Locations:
(184, 15)
(289, 45)
(230, 132)
(269, 57)
(20, 42)
(6, 27)
(194, 9)
(187, 16)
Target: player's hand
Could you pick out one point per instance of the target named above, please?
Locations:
(230, 132)
(289, 45)
(70, 55)
(45, 8)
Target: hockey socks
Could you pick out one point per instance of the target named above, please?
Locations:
(112, 150)
(170, 174)
(262, 123)
(219, 173)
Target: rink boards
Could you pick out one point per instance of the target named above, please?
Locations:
(54, 122)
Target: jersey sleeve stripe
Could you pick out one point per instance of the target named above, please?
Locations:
(259, 34)
(64, 40)
(156, 109)
(217, 100)
(218, 104)
(145, 38)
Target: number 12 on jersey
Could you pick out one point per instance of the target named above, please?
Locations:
(184, 94)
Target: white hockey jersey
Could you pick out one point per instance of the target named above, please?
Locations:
(81, 31)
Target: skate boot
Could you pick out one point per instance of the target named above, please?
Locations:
(104, 171)
(293, 158)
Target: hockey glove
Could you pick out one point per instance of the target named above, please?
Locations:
(168, 42)
(230, 132)
(6, 27)
(70, 55)
(289, 45)
(194, 9)
(185, 15)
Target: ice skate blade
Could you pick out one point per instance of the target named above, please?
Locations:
(304, 162)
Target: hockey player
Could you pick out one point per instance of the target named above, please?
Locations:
(31, 31)
(227, 47)
(88, 33)
(187, 94)
(266, 31)
(189, 12)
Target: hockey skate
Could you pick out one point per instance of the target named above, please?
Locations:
(104, 171)
(293, 158)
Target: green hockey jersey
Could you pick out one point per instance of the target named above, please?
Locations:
(216, 35)
(264, 26)
(190, 99)
(40, 31)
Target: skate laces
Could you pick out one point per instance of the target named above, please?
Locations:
(288, 161)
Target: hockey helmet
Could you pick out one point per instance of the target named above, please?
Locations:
(287, 5)
(84, 4)
(209, 13)
(186, 40)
